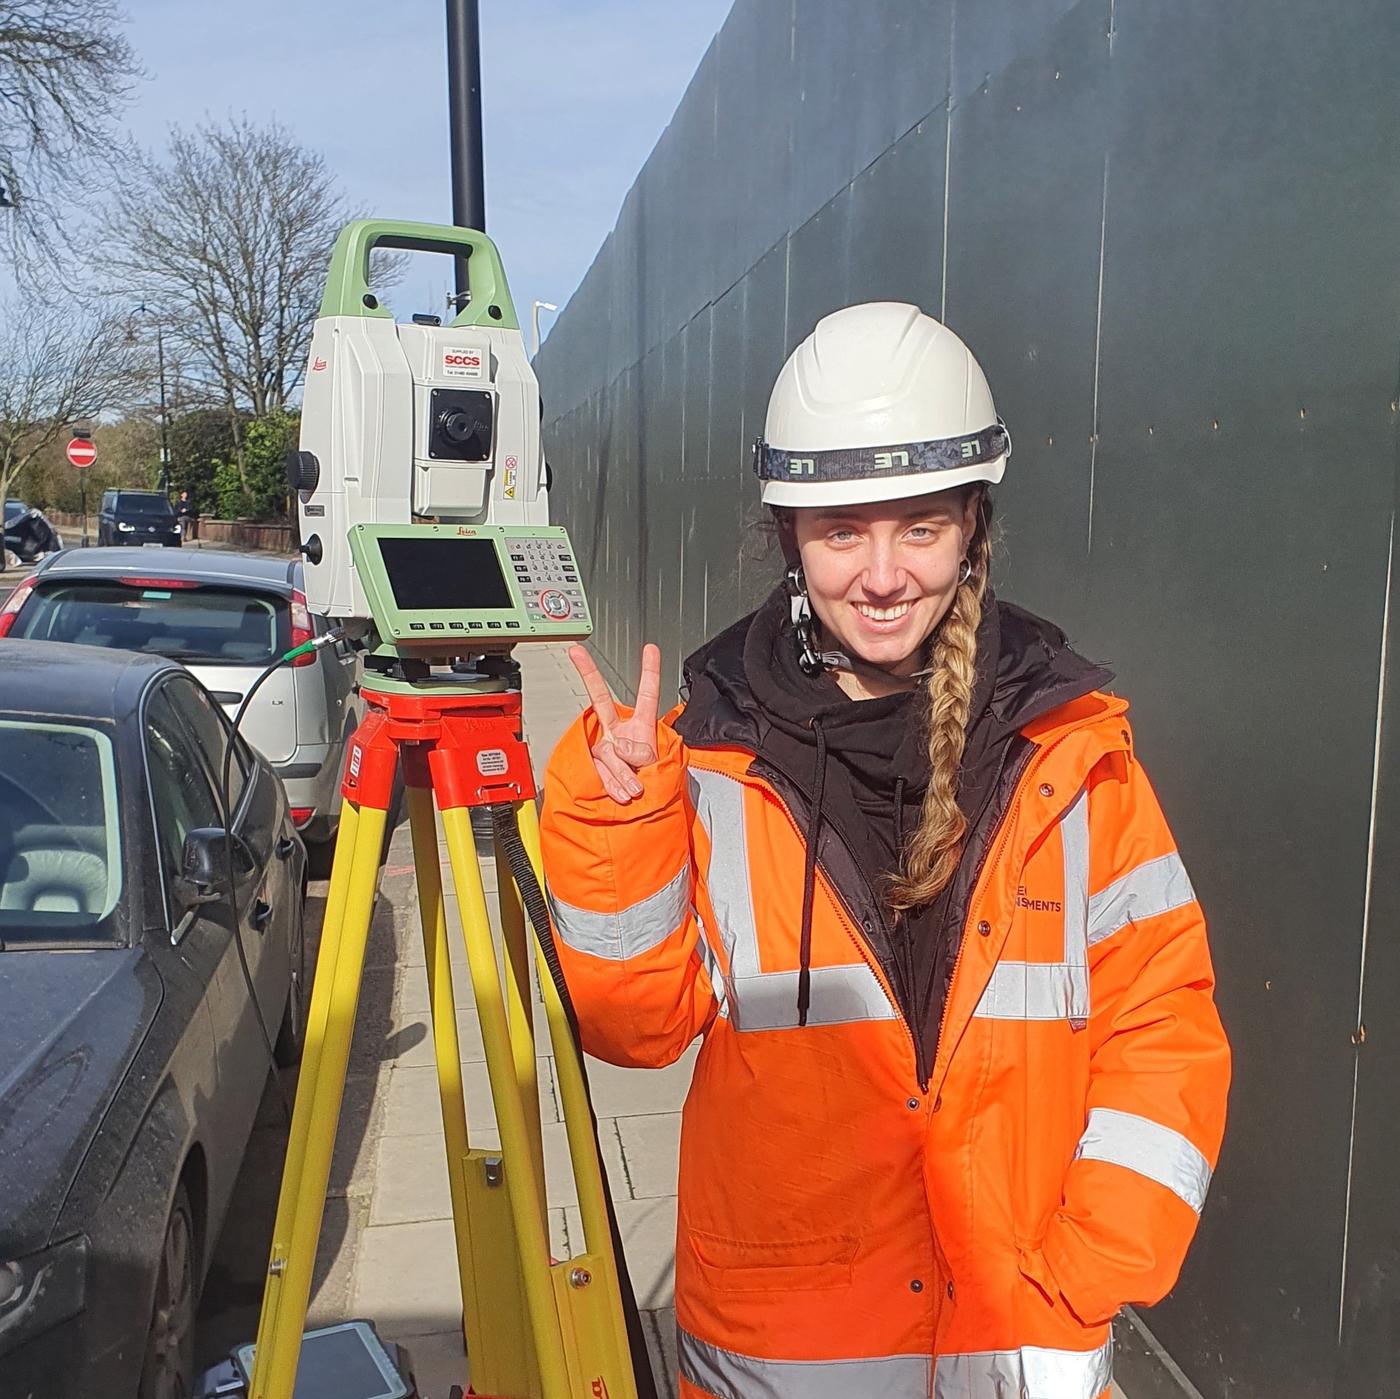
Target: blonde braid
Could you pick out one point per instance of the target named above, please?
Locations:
(932, 854)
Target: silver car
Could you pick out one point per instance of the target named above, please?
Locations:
(225, 616)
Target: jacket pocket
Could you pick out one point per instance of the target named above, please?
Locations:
(774, 1265)
(1033, 1268)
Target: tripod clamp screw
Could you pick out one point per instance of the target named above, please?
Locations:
(579, 1277)
(277, 1266)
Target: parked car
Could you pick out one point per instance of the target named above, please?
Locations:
(137, 517)
(225, 616)
(29, 533)
(131, 1061)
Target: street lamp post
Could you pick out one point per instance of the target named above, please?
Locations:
(535, 308)
(160, 371)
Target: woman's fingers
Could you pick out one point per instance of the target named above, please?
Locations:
(599, 696)
(618, 778)
(649, 688)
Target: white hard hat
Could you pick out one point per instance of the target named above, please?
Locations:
(879, 402)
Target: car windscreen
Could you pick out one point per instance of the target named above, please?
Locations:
(143, 505)
(159, 617)
(60, 845)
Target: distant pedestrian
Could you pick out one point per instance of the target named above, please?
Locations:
(189, 516)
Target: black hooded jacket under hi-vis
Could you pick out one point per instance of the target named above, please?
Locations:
(868, 761)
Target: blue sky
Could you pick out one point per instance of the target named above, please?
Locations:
(574, 95)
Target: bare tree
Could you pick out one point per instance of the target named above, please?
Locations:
(58, 367)
(65, 74)
(230, 233)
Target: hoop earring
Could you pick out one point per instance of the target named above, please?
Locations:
(966, 572)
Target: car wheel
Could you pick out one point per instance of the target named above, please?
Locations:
(291, 1037)
(168, 1371)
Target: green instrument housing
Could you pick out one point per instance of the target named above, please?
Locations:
(450, 589)
(348, 291)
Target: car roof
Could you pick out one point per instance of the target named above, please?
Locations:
(76, 682)
(265, 571)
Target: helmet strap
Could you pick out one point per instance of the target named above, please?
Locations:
(812, 661)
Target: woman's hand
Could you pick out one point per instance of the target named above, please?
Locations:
(627, 744)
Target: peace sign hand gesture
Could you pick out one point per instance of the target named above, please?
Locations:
(627, 744)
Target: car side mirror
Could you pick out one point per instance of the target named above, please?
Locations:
(204, 874)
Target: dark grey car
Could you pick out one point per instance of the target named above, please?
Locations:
(131, 1061)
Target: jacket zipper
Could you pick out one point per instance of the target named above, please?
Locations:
(1033, 759)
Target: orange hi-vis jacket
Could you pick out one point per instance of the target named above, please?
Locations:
(844, 1234)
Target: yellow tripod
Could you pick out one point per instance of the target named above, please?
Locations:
(535, 1329)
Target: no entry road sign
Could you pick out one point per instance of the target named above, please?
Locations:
(81, 452)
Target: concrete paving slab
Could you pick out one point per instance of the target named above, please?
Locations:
(559, 1232)
(661, 1342)
(651, 1148)
(412, 1184)
(413, 1105)
(439, 1362)
(406, 1279)
(357, 1133)
(648, 1230)
(619, 1092)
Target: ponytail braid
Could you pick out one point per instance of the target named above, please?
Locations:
(932, 855)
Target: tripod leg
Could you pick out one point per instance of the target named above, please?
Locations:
(419, 798)
(330, 1026)
(527, 1210)
(519, 1006)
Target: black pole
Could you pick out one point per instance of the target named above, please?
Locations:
(164, 445)
(464, 123)
(82, 504)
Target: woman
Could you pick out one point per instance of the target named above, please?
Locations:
(962, 1082)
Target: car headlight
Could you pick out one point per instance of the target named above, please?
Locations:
(124, 527)
(42, 1290)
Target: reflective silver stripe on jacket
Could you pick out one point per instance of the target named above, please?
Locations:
(839, 995)
(1052, 990)
(1032, 1372)
(1141, 1145)
(719, 803)
(630, 931)
(1155, 886)
(730, 1375)
(709, 959)
(760, 1000)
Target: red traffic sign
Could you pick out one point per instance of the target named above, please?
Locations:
(81, 452)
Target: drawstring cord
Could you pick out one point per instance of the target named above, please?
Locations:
(809, 881)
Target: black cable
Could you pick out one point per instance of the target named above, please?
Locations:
(506, 826)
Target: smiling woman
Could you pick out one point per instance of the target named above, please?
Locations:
(941, 1129)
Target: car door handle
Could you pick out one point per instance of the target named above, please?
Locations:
(285, 846)
(261, 915)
